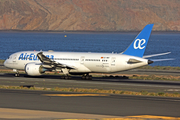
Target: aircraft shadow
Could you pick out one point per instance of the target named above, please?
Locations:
(117, 79)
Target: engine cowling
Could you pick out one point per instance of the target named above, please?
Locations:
(34, 69)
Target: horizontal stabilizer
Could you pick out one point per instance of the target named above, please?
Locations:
(156, 60)
(148, 56)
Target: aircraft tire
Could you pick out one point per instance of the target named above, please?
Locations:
(83, 77)
(66, 77)
(16, 75)
(89, 77)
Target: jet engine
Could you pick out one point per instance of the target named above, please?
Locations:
(34, 69)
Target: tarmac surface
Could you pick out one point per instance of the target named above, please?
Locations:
(109, 105)
(52, 81)
(48, 105)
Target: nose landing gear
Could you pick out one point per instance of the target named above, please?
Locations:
(17, 75)
(17, 72)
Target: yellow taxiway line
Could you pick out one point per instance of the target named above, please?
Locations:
(156, 117)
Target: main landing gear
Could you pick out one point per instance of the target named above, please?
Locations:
(87, 77)
(66, 77)
(84, 77)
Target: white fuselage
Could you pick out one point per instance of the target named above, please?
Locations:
(81, 61)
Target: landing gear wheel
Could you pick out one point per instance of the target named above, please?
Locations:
(66, 77)
(17, 75)
(83, 77)
(90, 77)
(87, 77)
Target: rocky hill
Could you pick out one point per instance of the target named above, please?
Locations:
(93, 15)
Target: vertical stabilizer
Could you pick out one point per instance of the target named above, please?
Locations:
(138, 46)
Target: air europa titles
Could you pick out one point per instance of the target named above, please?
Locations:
(32, 56)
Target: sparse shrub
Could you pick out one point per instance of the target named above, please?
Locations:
(52, 89)
(161, 94)
(114, 92)
(176, 93)
(44, 89)
(72, 90)
(144, 92)
(122, 92)
(152, 94)
(32, 88)
(134, 76)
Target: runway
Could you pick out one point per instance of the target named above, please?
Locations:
(51, 81)
(111, 105)
(89, 105)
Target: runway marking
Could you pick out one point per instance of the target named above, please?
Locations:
(156, 117)
(173, 90)
(71, 95)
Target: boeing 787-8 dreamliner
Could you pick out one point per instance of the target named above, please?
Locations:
(36, 63)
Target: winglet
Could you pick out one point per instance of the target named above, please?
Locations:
(138, 46)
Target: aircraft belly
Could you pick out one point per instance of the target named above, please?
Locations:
(99, 67)
(81, 68)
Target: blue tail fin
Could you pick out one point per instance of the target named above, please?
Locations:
(138, 46)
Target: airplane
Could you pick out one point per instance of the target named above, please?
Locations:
(35, 63)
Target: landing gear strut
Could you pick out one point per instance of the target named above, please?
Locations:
(17, 75)
(65, 72)
(87, 77)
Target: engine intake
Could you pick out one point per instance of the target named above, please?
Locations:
(34, 69)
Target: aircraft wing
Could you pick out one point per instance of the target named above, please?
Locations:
(49, 63)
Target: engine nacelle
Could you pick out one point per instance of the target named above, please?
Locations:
(34, 69)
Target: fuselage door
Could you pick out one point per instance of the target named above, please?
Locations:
(82, 59)
(113, 61)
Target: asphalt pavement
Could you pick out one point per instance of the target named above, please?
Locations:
(112, 105)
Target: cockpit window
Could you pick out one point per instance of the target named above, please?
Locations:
(9, 57)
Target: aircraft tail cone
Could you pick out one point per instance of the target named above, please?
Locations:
(150, 61)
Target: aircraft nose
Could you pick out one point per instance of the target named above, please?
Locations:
(5, 63)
